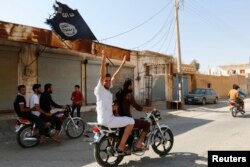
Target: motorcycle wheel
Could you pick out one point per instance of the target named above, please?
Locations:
(242, 112)
(26, 132)
(76, 129)
(234, 111)
(104, 153)
(160, 146)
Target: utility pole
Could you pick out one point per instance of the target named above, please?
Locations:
(178, 48)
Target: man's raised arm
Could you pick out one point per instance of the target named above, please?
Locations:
(116, 74)
(103, 67)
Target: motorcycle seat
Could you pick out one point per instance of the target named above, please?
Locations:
(106, 128)
(23, 120)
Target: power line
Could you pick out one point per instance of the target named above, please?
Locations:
(218, 21)
(156, 34)
(214, 20)
(164, 36)
(212, 17)
(129, 30)
(165, 39)
(200, 14)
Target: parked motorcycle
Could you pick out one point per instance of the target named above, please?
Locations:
(28, 134)
(235, 108)
(106, 140)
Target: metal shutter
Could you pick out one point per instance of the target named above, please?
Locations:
(8, 78)
(92, 78)
(158, 87)
(63, 73)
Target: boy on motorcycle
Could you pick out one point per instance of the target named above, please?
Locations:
(234, 95)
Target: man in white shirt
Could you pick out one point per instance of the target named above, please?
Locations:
(23, 111)
(35, 107)
(104, 102)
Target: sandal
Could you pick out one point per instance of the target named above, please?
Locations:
(125, 151)
(140, 149)
(57, 141)
(43, 141)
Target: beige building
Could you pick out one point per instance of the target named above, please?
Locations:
(221, 84)
(235, 69)
(31, 55)
(150, 75)
(155, 76)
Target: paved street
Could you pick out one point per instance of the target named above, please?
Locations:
(197, 129)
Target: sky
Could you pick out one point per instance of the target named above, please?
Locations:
(212, 32)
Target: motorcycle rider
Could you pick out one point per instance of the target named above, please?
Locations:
(104, 98)
(46, 102)
(23, 111)
(125, 99)
(35, 107)
(234, 96)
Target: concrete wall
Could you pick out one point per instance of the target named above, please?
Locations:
(140, 60)
(221, 84)
(28, 68)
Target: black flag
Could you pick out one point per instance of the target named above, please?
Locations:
(69, 24)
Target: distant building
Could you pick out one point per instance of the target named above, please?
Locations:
(235, 69)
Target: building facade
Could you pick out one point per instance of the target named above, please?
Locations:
(235, 69)
(31, 55)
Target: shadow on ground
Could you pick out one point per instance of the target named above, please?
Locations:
(220, 104)
(171, 160)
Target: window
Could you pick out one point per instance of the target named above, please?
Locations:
(208, 92)
(157, 69)
(213, 92)
(242, 71)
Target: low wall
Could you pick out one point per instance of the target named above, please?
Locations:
(221, 84)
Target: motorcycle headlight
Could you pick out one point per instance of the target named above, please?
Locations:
(157, 115)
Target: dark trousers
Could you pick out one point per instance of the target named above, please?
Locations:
(240, 102)
(34, 119)
(78, 108)
(139, 124)
(142, 124)
(54, 120)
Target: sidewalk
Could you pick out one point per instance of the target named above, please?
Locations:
(88, 114)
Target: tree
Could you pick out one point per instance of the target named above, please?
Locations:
(196, 64)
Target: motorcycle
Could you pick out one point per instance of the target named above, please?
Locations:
(28, 134)
(106, 140)
(235, 108)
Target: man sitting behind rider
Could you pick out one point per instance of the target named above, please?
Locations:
(35, 105)
(234, 96)
(241, 96)
(104, 100)
(126, 99)
(23, 111)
